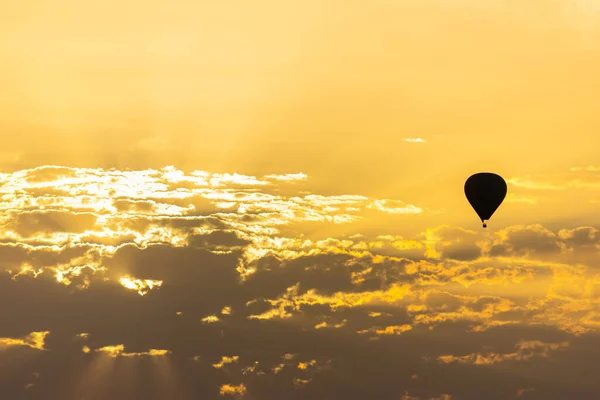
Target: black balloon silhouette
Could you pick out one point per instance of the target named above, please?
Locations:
(485, 191)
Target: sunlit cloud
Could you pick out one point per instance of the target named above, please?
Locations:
(288, 177)
(232, 390)
(210, 319)
(142, 286)
(589, 168)
(325, 324)
(119, 351)
(34, 340)
(414, 140)
(388, 330)
(301, 382)
(306, 365)
(226, 360)
(525, 350)
(395, 207)
(226, 310)
(577, 178)
(532, 183)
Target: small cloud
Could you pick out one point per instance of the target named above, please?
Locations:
(529, 182)
(388, 330)
(305, 365)
(226, 310)
(218, 180)
(525, 350)
(395, 207)
(326, 325)
(394, 330)
(406, 396)
(210, 319)
(228, 389)
(35, 340)
(226, 360)
(414, 140)
(301, 382)
(589, 168)
(142, 286)
(119, 351)
(288, 177)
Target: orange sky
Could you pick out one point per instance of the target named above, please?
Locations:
(352, 127)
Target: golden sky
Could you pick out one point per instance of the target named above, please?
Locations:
(264, 200)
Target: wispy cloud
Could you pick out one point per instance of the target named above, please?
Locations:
(525, 350)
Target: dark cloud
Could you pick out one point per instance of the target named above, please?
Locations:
(28, 223)
(217, 239)
(14, 255)
(126, 205)
(583, 236)
(526, 240)
(453, 243)
(359, 367)
(171, 276)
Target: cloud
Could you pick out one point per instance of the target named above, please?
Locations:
(395, 207)
(226, 360)
(119, 351)
(210, 319)
(388, 330)
(29, 223)
(581, 237)
(34, 340)
(453, 243)
(142, 286)
(525, 350)
(540, 183)
(229, 389)
(589, 168)
(526, 240)
(414, 140)
(288, 177)
(578, 178)
(149, 272)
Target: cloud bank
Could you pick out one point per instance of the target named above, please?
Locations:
(170, 284)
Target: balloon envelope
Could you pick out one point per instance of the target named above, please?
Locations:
(485, 192)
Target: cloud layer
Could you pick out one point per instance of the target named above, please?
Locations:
(165, 284)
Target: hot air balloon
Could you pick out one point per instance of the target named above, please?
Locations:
(485, 192)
